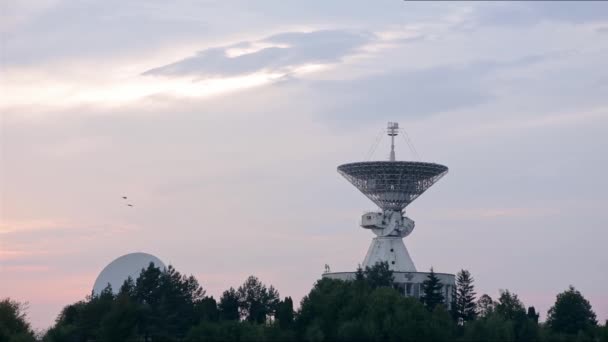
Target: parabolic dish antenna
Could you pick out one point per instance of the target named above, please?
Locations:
(392, 185)
(129, 265)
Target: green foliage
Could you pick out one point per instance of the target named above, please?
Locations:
(257, 302)
(159, 305)
(505, 320)
(485, 306)
(229, 305)
(13, 322)
(207, 310)
(432, 294)
(465, 307)
(379, 275)
(359, 275)
(602, 332)
(571, 314)
(533, 315)
(119, 324)
(167, 306)
(492, 327)
(284, 314)
(237, 331)
(337, 310)
(509, 307)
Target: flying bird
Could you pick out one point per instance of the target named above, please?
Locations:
(130, 205)
(124, 197)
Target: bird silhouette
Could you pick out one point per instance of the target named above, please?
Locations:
(130, 205)
(124, 197)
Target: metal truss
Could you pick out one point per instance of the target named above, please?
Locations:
(392, 185)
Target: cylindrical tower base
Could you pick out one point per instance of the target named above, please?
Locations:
(392, 250)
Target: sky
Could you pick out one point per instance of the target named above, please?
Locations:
(224, 121)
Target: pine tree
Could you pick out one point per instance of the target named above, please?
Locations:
(465, 306)
(432, 291)
(359, 275)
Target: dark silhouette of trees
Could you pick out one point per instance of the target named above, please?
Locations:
(13, 322)
(465, 307)
(207, 310)
(505, 320)
(571, 314)
(229, 305)
(284, 313)
(533, 315)
(432, 294)
(257, 302)
(359, 275)
(509, 306)
(379, 275)
(164, 305)
(338, 310)
(485, 305)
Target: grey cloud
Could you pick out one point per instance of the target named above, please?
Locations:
(324, 46)
(532, 12)
(402, 95)
(410, 94)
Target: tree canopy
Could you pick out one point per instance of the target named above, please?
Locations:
(571, 314)
(13, 322)
(464, 304)
(257, 303)
(164, 305)
(432, 294)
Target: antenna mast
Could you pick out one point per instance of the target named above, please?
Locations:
(392, 130)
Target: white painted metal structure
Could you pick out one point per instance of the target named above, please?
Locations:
(392, 185)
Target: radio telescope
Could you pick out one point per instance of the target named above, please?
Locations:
(392, 185)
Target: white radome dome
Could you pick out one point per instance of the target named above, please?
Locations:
(129, 265)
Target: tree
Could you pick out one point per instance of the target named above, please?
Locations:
(229, 305)
(207, 310)
(119, 324)
(432, 294)
(509, 306)
(167, 299)
(571, 313)
(533, 315)
(603, 332)
(13, 322)
(256, 301)
(485, 305)
(379, 275)
(284, 313)
(465, 306)
(127, 288)
(158, 305)
(511, 310)
(147, 286)
(359, 275)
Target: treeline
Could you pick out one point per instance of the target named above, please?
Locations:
(164, 305)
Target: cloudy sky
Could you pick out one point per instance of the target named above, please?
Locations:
(224, 122)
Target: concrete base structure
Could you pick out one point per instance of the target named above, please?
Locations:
(392, 250)
(409, 283)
